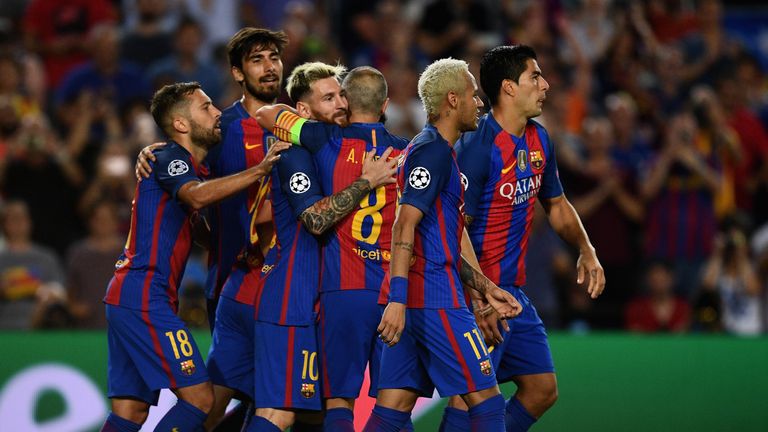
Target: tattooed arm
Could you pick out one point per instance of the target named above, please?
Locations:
(324, 214)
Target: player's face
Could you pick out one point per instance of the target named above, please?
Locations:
(531, 90)
(205, 120)
(327, 102)
(469, 106)
(262, 73)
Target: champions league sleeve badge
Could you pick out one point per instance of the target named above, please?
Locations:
(419, 178)
(177, 167)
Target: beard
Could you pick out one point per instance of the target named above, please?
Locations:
(205, 138)
(263, 93)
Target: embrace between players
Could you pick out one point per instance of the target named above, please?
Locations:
(350, 248)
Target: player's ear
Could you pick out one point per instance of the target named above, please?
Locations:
(303, 110)
(453, 100)
(509, 87)
(180, 124)
(384, 106)
(237, 74)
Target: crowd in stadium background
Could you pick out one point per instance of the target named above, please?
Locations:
(658, 111)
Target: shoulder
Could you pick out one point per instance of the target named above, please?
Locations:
(231, 115)
(172, 156)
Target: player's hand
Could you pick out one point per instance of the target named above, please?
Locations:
(392, 323)
(488, 322)
(272, 156)
(379, 171)
(589, 267)
(143, 168)
(504, 303)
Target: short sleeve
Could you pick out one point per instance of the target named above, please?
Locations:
(314, 135)
(426, 171)
(298, 179)
(550, 182)
(474, 161)
(173, 170)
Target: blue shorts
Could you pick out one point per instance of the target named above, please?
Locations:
(440, 348)
(230, 360)
(525, 350)
(286, 374)
(149, 351)
(349, 341)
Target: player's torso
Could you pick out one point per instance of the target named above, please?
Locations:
(356, 252)
(233, 232)
(504, 214)
(150, 269)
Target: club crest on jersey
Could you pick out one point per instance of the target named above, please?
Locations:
(464, 181)
(187, 367)
(536, 160)
(485, 367)
(177, 167)
(419, 178)
(299, 183)
(307, 390)
(522, 160)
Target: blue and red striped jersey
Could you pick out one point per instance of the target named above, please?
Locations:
(291, 287)
(356, 254)
(503, 174)
(429, 180)
(244, 144)
(149, 271)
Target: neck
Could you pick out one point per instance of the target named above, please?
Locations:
(198, 153)
(448, 129)
(511, 121)
(18, 245)
(363, 118)
(252, 104)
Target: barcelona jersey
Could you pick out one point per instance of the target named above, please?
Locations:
(357, 253)
(149, 271)
(429, 180)
(503, 174)
(244, 144)
(291, 287)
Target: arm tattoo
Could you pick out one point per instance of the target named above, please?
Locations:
(404, 245)
(473, 278)
(324, 214)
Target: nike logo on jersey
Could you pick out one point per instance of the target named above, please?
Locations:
(509, 168)
(251, 146)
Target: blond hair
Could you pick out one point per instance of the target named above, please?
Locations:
(440, 78)
(304, 75)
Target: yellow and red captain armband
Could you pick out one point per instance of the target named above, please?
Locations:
(288, 127)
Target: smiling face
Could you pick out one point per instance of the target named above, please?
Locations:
(469, 106)
(325, 102)
(530, 90)
(261, 73)
(204, 120)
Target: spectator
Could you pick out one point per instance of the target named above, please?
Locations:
(183, 64)
(730, 273)
(147, 41)
(660, 310)
(91, 264)
(30, 275)
(56, 30)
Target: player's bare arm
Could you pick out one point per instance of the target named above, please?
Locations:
(403, 234)
(198, 194)
(567, 224)
(266, 116)
(143, 168)
(324, 214)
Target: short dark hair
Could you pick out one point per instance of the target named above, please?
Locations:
(248, 38)
(168, 99)
(500, 63)
(366, 90)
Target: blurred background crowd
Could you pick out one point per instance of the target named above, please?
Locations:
(658, 110)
